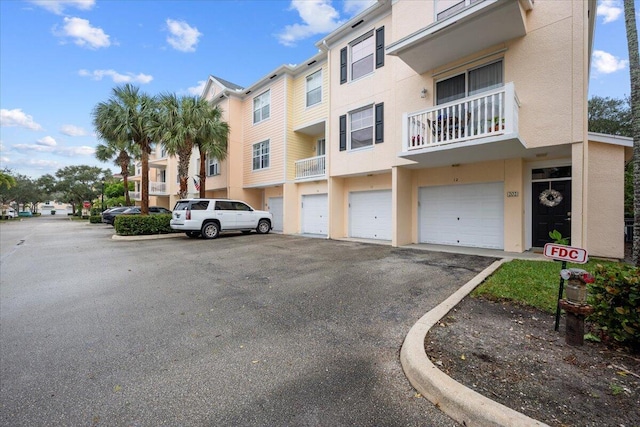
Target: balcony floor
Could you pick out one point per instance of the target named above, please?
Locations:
(500, 147)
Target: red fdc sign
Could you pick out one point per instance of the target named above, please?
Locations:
(566, 253)
(86, 205)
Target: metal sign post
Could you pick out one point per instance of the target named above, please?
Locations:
(564, 253)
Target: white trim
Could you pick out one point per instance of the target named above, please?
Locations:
(625, 141)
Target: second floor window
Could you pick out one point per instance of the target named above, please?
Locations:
(261, 155)
(314, 88)
(261, 107)
(469, 83)
(359, 58)
(362, 128)
(213, 168)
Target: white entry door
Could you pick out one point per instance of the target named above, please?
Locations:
(462, 215)
(370, 214)
(315, 214)
(276, 209)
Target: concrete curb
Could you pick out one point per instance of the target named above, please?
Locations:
(148, 236)
(464, 405)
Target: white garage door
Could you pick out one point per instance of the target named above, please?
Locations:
(370, 214)
(462, 215)
(275, 207)
(314, 214)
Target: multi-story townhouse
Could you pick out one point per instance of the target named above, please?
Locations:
(464, 122)
(276, 151)
(162, 168)
(453, 122)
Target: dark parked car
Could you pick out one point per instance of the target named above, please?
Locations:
(110, 215)
(152, 210)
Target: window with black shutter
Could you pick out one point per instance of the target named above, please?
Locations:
(343, 132)
(380, 47)
(343, 65)
(379, 137)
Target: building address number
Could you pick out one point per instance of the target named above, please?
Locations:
(512, 194)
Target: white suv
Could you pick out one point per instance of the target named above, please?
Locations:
(209, 217)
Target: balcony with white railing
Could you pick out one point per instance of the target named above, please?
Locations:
(434, 134)
(155, 189)
(311, 168)
(461, 28)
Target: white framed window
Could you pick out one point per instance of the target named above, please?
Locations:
(262, 107)
(361, 128)
(314, 88)
(213, 167)
(261, 155)
(321, 147)
(162, 176)
(362, 50)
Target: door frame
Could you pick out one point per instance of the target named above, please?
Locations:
(528, 194)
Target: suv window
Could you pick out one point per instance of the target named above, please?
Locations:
(222, 205)
(181, 206)
(239, 206)
(200, 205)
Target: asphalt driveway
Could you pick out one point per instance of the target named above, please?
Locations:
(245, 330)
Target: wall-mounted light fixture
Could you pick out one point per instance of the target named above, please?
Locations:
(423, 92)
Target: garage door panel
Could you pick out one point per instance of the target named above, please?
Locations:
(370, 214)
(315, 214)
(464, 215)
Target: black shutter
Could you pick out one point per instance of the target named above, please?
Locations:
(380, 47)
(379, 123)
(343, 65)
(343, 132)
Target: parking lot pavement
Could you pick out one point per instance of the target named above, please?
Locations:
(243, 330)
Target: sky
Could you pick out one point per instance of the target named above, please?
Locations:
(59, 58)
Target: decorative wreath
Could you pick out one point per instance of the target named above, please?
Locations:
(550, 198)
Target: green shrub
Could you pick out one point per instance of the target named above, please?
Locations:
(136, 225)
(95, 219)
(615, 296)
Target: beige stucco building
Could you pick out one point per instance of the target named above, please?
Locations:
(453, 122)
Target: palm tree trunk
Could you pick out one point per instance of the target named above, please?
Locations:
(203, 175)
(124, 171)
(144, 206)
(634, 71)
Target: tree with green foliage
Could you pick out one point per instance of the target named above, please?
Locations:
(7, 181)
(114, 193)
(26, 193)
(634, 71)
(212, 139)
(128, 116)
(76, 184)
(121, 152)
(610, 116)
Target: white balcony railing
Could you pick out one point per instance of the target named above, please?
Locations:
(312, 167)
(157, 187)
(488, 114)
(135, 195)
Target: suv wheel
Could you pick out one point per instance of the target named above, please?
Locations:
(210, 230)
(263, 226)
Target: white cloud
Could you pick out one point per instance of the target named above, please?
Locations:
(606, 63)
(72, 130)
(611, 10)
(30, 148)
(76, 151)
(83, 34)
(183, 36)
(354, 7)
(116, 77)
(17, 118)
(318, 17)
(58, 6)
(197, 90)
(47, 141)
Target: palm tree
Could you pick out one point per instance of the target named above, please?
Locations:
(634, 71)
(128, 116)
(122, 153)
(185, 122)
(212, 140)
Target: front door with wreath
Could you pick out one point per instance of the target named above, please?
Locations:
(551, 210)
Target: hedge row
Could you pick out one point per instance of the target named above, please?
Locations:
(137, 225)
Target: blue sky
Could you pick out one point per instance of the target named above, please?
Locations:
(58, 59)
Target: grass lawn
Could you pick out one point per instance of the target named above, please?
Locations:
(533, 283)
